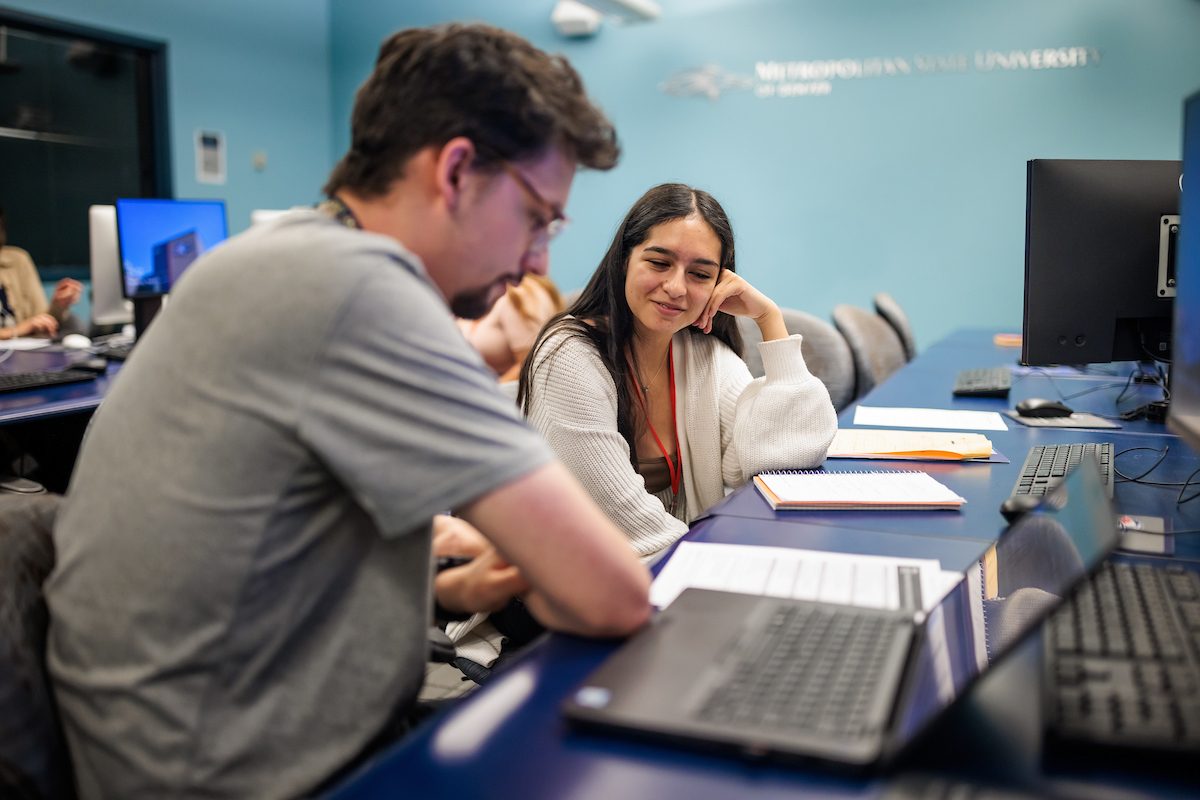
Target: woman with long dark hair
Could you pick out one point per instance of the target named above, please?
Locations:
(639, 386)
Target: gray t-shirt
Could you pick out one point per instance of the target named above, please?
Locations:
(242, 595)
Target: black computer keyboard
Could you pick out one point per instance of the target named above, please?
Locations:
(1122, 663)
(1045, 465)
(927, 786)
(984, 382)
(15, 381)
(117, 352)
(815, 669)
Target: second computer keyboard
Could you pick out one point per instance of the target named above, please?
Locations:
(1122, 662)
(984, 382)
(117, 352)
(16, 381)
(1045, 465)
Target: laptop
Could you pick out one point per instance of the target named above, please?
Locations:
(771, 677)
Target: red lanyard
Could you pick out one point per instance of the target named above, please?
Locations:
(674, 469)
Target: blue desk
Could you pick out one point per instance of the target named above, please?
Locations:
(509, 740)
(35, 404)
(48, 424)
(512, 743)
(986, 485)
(927, 382)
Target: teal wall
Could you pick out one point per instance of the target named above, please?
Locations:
(258, 71)
(913, 184)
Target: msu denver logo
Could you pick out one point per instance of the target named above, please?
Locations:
(709, 80)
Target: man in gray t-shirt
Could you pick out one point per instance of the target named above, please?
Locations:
(242, 592)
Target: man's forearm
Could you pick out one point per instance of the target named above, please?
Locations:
(584, 576)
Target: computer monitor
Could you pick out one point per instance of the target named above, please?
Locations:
(261, 215)
(1184, 414)
(159, 239)
(109, 306)
(1098, 236)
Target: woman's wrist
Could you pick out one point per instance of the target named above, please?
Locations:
(770, 324)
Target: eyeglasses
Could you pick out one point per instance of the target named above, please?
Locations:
(543, 230)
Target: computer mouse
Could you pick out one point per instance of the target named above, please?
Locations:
(1037, 407)
(1017, 505)
(76, 341)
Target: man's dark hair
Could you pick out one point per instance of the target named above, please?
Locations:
(429, 85)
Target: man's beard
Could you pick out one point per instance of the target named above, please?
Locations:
(477, 302)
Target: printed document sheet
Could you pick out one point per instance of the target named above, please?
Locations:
(929, 418)
(846, 578)
(24, 343)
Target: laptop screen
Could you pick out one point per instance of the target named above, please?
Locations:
(1031, 567)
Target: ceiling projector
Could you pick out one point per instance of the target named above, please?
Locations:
(574, 19)
(577, 19)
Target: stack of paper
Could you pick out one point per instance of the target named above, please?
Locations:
(861, 580)
(920, 445)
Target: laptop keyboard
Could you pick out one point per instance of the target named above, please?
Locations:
(1045, 465)
(984, 382)
(16, 381)
(813, 668)
(1123, 661)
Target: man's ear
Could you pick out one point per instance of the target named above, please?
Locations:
(452, 169)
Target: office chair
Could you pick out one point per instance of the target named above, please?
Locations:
(33, 756)
(825, 351)
(875, 345)
(890, 310)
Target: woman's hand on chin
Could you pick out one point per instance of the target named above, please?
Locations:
(734, 295)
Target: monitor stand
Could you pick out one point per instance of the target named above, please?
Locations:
(1157, 410)
(144, 311)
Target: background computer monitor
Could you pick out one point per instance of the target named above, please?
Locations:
(109, 306)
(259, 216)
(1184, 414)
(159, 239)
(1094, 233)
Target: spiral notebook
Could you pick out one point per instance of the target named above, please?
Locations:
(884, 490)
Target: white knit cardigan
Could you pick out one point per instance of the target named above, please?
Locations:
(731, 426)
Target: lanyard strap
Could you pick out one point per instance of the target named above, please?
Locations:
(335, 208)
(674, 469)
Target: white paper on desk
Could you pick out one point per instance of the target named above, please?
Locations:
(846, 578)
(23, 343)
(929, 418)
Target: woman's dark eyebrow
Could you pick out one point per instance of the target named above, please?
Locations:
(666, 252)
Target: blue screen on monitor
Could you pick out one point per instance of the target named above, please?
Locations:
(159, 239)
(1184, 414)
